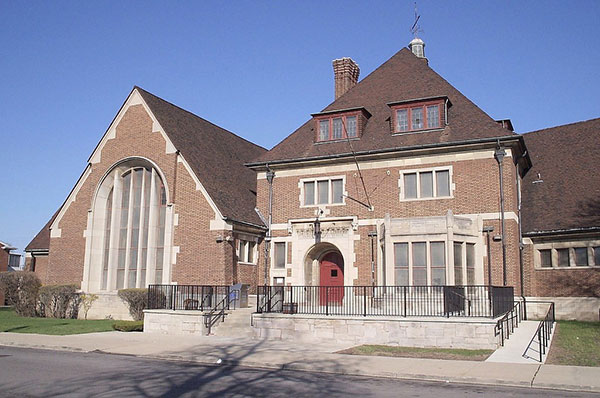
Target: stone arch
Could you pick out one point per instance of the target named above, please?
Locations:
(312, 261)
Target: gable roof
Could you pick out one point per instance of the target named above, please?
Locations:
(566, 194)
(42, 240)
(216, 156)
(403, 77)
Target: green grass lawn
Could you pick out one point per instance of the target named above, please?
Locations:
(11, 322)
(411, 352)
(575, 343)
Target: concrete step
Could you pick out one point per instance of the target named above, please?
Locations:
(236, 324)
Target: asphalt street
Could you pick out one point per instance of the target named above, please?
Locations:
(44, 373)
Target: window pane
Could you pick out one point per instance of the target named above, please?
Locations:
(401, 255)
(438, 263)
(401, 263)
(426, 180)
(438, 276)
(402, 120)
(337, 191)
(597, 256)
(323, 191)
(419, 276)
(581, 256)
(279, 255)
(251, 252)
(458, 274)
(419, 255)
(309, 193)
(337, 128)
(563, 257)
(417, 118)
(546, 258)
(470, 264)
(438, 254)
(323, 130)
(433, 116)
(351, 126)
(242, 251)
(410, 186)
(442, 183)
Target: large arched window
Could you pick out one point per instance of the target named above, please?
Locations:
(130, 221)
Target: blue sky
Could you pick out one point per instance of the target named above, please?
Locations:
(259, 69)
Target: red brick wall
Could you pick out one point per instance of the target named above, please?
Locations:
(559, 282)
(476, 191)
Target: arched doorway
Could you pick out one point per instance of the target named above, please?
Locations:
(331, 271)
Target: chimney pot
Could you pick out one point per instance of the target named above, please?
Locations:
(345, 72)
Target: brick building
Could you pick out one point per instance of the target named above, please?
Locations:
(164, 198)
(401, 180)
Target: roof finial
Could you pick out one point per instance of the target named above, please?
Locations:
(416, 28)
(416, 45)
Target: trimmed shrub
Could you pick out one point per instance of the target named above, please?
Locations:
(136, 300)
(129, 326)
(21, 290)
(59, 301)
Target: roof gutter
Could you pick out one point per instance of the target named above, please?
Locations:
(568, 231)
(516, 138)
(234, 221)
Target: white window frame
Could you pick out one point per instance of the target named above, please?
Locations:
(434, 170)
(316, 193)
(273, 258)
(429, 273)
(572, 245)
(243, 257)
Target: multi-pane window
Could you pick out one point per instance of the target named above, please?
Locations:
(136, 202)
(568, 255)
(470, 263)
(337, 128)
(420, 117)
(546, 258)
(246, 251)
(458, 270)
(426, 184)
(323, 192)
(279, 255)
(412, 259)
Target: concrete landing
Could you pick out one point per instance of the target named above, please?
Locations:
(515, 346)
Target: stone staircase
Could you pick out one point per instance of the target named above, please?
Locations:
(237, 322)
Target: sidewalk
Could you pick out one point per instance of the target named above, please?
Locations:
(216, 350)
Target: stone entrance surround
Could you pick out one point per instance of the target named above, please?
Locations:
(412, 332)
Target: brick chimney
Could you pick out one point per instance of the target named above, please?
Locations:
(345, 72)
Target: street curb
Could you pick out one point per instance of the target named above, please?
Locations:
(306, 368)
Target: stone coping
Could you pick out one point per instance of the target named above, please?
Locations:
(381, 318)
(177, 312)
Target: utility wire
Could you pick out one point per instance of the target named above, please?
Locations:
(357, 166)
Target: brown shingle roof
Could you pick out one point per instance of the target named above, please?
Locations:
(42, 240)
(216, 155)
(403, 77)
(566, 158)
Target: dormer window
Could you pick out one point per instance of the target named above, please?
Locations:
(337, 128)
(340, 125)
(417, 115)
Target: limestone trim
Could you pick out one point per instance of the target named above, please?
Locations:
(417, 161)
(590, 245)
(55, 231)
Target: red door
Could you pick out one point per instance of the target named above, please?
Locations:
(332, 279)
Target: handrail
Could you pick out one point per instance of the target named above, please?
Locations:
(462, 297)
(261, 308)
(210, 318)
(511, 319)
(543, 333)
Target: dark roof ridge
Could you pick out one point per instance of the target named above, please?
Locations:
(199, 117)
(553, 128)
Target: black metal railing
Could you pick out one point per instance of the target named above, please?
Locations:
(543, 334)
(509, 322)
(447, 301)
(186, 297)
(218, 311)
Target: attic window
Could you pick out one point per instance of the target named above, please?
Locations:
(337, 127)
(417, 116)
